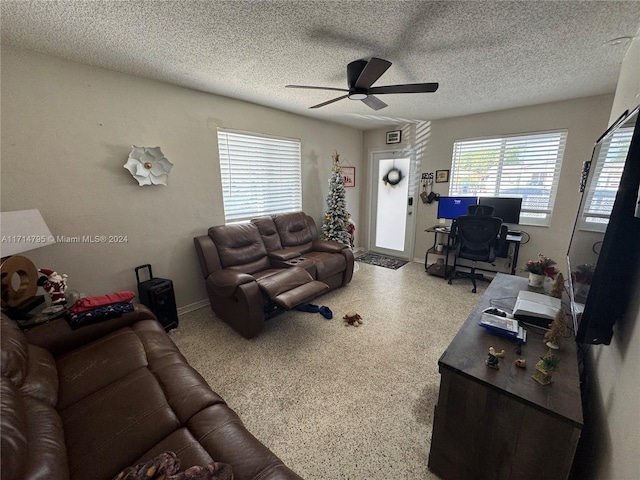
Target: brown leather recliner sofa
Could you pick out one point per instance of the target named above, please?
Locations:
(272, 264)
(87, 403)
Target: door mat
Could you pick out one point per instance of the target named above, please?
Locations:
(381, 260)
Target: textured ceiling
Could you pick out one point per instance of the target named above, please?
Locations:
(485, 55)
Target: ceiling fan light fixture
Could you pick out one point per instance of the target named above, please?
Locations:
(361, 75)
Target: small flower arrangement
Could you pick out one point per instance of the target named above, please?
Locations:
(584, 273)
(542, 266)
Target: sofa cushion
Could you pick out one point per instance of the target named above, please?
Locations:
(240, 246)
(14, 431)
(185, 390)
(268, 232)
(13, 351)
(108, 431)
(327, 264)
(184, 444)
(222, 433)
(41, 381)
(294, 231)
(82, 372)
(33, 443)
(47, 451)
(146, 392)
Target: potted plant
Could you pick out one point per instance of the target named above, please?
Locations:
(545, 368)
(539, 269)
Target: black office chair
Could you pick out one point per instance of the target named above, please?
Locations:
(483, 210)
(477, 236)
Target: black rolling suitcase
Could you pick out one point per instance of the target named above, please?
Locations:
(157, 294)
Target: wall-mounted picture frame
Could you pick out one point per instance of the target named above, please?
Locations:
(349, 175)
(442, 176)
(394, 136)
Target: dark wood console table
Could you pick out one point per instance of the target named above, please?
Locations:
(501, 424)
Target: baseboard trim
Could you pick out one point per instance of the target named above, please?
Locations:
(193, 306)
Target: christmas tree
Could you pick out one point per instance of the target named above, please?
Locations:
(336, 224)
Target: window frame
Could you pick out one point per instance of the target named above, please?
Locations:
(551, 143)
(253, 177)
(602, 173)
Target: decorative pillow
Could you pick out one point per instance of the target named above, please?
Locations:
(89, 303)
(166, 466)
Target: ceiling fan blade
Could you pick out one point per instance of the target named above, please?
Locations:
(374, 102)
(372, 71)
(317, 88)
(354, 69)
(328, 102)
(405, 88)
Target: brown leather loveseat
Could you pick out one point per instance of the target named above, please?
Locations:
(272, 264)
(87, 403)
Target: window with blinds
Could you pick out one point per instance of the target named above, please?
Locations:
(261, 175)
(605, 180)
(526, 166)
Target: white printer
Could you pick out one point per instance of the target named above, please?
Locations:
(536, 308)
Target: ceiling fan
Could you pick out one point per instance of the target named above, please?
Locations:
(361, 74)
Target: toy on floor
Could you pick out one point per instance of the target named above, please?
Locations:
(352, 318)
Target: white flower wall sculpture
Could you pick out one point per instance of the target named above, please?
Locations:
(148, 165)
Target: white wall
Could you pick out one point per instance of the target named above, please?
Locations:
(67, 130)
(585, 119)
(611, 447)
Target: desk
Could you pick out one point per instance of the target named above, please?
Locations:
(449, 246)
(501, 424)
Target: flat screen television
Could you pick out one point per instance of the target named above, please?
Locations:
(451, 208)
(603, 259)
(506, 208)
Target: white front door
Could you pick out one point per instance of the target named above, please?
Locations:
(391, 207)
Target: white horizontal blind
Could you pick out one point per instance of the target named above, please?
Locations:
(261, 175)
(606, 179)
(526, 166)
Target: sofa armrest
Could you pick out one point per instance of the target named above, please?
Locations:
(58, 337)
(329, 246)
(225, 282)
(284, 254)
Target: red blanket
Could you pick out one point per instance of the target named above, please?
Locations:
(89, 303)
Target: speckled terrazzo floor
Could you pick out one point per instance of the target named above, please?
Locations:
(336, 402)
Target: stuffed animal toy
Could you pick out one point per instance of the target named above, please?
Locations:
(54, 284)
(352, 318)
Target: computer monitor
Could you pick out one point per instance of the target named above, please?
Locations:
(452, 207)
(508, 209)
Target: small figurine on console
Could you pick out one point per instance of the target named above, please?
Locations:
(493, 358)
(54, 284)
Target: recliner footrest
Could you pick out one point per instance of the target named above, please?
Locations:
(291, 287)
(302, 294)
